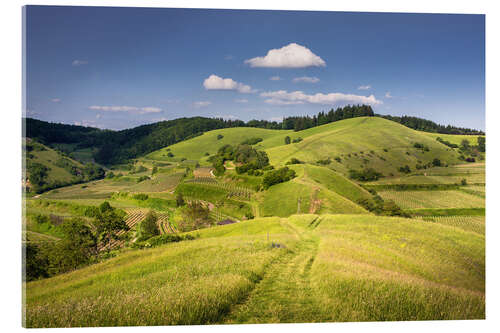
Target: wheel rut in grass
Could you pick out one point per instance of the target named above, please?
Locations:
(284, 294)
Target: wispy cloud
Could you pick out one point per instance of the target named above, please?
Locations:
(367, 87)
(201, 104)
(125, 108)
(306, 79)
(214, 82)
(77, 62)
(229, 57)
(292, 55)
(388, 95)
(283, 97)
(275, 78)
(241, 100)
(277, 119)
(55, 100)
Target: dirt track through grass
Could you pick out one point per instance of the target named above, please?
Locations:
(285, 293)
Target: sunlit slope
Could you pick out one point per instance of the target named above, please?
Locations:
(196, 148)
(321, 268)
(363, 142)
(49, 157)
(453, 138)
(314, 190)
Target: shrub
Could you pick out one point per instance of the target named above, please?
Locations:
(294, 160)
(405, 169)
(297, 140)
(436, 162)
(277, 176)
(325, 161)
(368, 174)
(287, 140)
(251, 141)
(219, 136)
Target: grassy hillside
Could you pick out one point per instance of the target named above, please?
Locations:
(196, 148)
(324, 268)
(363, 142)
(49, 157)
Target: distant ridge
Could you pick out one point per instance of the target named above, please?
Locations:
(114, 147)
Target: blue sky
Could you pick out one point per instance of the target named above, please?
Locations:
(121, 67)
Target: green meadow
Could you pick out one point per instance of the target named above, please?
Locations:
(326, 268)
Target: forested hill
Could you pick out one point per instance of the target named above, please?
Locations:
(114, 147)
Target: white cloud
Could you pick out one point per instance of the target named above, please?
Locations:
(388, 95)
(228, 57)
(306, 79)
(226, 116)
(275, 78)
(241, 100)
(214, 82)
(98, 116)
(125, 108)
(367, 87)
(290, 56)
(277, 119)
(56, 100)
(201, 104)
(77, 62)
(283, 97)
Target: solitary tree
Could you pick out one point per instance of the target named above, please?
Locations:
(287, 140)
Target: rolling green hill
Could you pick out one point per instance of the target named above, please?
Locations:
(364, 142)
(47, 168)
(196, 148)
(305, 268)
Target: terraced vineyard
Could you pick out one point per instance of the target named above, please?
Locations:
(468, 223)
(432, 199)
(232, 190)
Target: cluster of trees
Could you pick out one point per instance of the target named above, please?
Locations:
(322, 118)
(245, 155)
(277, 176)
(79, 245)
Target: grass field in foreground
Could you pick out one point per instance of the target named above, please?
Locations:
(433, 199)
(327, 268)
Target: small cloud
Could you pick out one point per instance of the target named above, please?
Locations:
(275, 78)
(242, 100)
(227, 116)
(55, 100)
(388, 95)
(277, 119)
(228, 57)
(292, 55)
(306, 79)
(150, 109)
(367, 87)
(201, 104)
(98, 116)
(125, 108)
(77, 62)
(283, 97)
(31, 112)
(214, 82)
